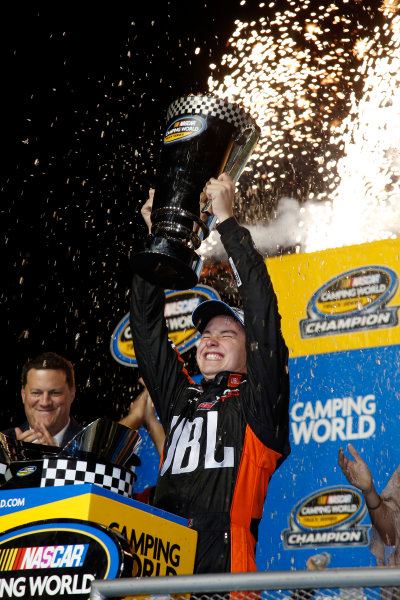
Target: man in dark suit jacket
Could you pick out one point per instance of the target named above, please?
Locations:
(48, 390)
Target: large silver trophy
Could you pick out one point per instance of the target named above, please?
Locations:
(103, 453)
(205, 136)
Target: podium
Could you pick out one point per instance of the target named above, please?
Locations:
(59, 532)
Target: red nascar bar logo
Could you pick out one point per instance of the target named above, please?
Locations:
(351, 302)
(43, 557)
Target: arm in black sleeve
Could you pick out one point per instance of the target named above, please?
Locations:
(267, 355)
(159, 363)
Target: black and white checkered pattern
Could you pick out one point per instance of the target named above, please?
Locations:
(209, 105)
(71, 471)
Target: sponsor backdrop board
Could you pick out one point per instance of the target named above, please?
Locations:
(59, 558)
(340, 320)
(56, 540)
(339, 398)
(340, 299)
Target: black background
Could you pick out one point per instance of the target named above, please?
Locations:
(83, 115)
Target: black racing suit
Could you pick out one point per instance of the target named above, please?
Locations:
(226, 437)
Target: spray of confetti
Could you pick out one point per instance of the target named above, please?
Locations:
(323, 83)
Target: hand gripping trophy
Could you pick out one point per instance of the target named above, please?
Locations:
(205, 136)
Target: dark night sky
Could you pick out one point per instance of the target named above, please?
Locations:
(83, 114)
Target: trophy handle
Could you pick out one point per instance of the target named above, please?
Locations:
(242, 148)
(238, 156)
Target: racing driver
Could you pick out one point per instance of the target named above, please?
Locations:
(227, 436)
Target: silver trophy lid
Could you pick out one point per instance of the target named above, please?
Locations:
(107, 441)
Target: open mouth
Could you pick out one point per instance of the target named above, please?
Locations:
(213, 356)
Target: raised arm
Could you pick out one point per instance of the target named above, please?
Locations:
(141, 414)
(159, 363)
(358, 474)
(267, 354)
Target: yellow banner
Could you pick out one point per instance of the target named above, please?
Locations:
(159, 546)
(339, 299)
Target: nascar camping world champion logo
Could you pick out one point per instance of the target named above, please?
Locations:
(179, 306)
(328, 517)
(184, 128)
(351, 302)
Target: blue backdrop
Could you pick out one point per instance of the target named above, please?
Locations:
(336, 398)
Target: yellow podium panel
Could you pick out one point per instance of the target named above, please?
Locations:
(161, 543)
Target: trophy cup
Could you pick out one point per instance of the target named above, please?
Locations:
(105, 440)
(205, 136)
(104, 453)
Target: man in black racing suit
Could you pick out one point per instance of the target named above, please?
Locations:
(227, 436)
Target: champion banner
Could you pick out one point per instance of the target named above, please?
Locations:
(340, 320)
(339, 313)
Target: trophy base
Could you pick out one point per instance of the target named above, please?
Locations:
(168, 263)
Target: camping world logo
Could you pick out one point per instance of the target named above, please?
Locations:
(184, 128)
(179, 306)
(351, 302)
(59, 558)
(328, 517)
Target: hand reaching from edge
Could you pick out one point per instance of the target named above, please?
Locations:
(356, 471)
(358, 474)
(136, 416)
(147, 208)
(142, 413)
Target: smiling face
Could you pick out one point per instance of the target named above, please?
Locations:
(222, 347)
(47, 398)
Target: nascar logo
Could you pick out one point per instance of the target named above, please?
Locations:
(59, 558)
(25, 471)
(43, 557)
(179, 306)
(328, 509)
(351, 302)
(184, 128)
(328, 517)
